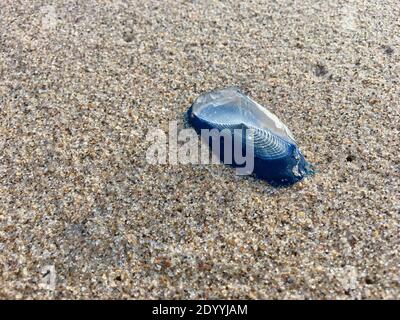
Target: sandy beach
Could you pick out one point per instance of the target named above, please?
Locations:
(84, 215)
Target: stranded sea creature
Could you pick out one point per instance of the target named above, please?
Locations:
(277, 158)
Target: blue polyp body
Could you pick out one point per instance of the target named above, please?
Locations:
(278, 172)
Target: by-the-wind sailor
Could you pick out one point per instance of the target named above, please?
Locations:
(277, 159)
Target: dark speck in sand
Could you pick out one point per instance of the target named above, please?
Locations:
(368, 280)
(128, 37)
(320, 70)
(388, 50)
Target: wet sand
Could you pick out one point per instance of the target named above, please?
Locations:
(82, 85)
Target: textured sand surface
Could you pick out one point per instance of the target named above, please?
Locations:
(81, 84)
